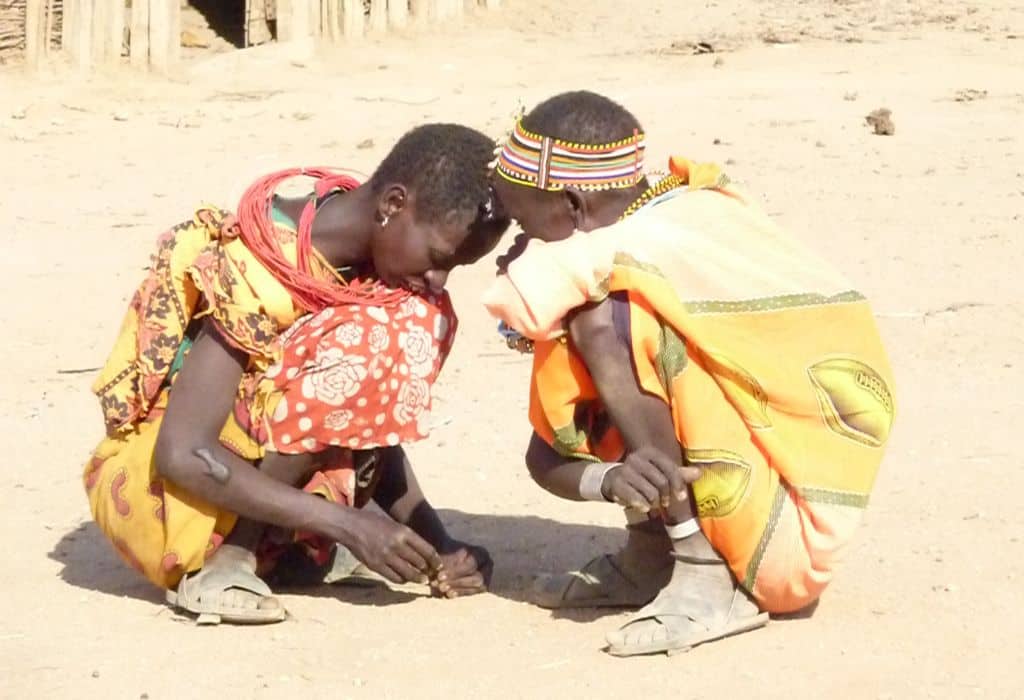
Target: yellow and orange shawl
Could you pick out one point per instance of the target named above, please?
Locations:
(199, 268)
(771, 363)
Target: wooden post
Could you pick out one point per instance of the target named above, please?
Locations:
(115, 32)
(334, 20)
(420, 10)
(100, 20)
(398, 13)
(35, 28)
(174, 40)
(352, 11)
(67, 28)
(284, 19)
(160, 33)
(247, 13)
(378, 16)
(81, 56)
(138, 46)
(293, 20)
(257, 23)
(107, 31)
(48, 32)
(312, 8)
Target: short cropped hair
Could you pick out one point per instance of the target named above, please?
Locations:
(582, 117)
(445, 165)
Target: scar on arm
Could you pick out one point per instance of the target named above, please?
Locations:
(216, 470)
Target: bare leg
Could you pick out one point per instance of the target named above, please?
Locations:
(647, 547)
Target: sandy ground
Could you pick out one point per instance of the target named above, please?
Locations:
(927, 222)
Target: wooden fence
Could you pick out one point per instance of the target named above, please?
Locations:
(338, 20)
(13, 18)
(95, 32)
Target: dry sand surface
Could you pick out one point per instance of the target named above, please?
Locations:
(927, 222)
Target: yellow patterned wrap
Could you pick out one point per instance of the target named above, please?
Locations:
(777, 379)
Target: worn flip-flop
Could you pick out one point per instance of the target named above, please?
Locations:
(294, 568)
(683, 619)
(599, 584)
(345, 570)
(202, 593)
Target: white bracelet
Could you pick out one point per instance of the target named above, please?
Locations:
(593, 479)
(682, 530)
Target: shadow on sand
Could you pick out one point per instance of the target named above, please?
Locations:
(521, 546)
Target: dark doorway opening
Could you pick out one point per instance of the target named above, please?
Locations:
(226, 18)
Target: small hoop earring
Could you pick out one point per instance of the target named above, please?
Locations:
(384, 221)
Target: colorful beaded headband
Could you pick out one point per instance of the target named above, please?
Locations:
(553, 165)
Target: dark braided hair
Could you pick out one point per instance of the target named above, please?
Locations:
(446, 165)
(581, 117)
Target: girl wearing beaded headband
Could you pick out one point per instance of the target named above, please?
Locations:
(701, 335)
(598, 176)
(552, 164)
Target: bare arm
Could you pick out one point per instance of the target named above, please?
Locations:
(399, 494)
(466, 568)
(654, 467)
(642, 419)
(652, 474)
(553, 472)
(189, 452)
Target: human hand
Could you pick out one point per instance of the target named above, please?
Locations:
(466, 570)
(392, 550)
(648, 479)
